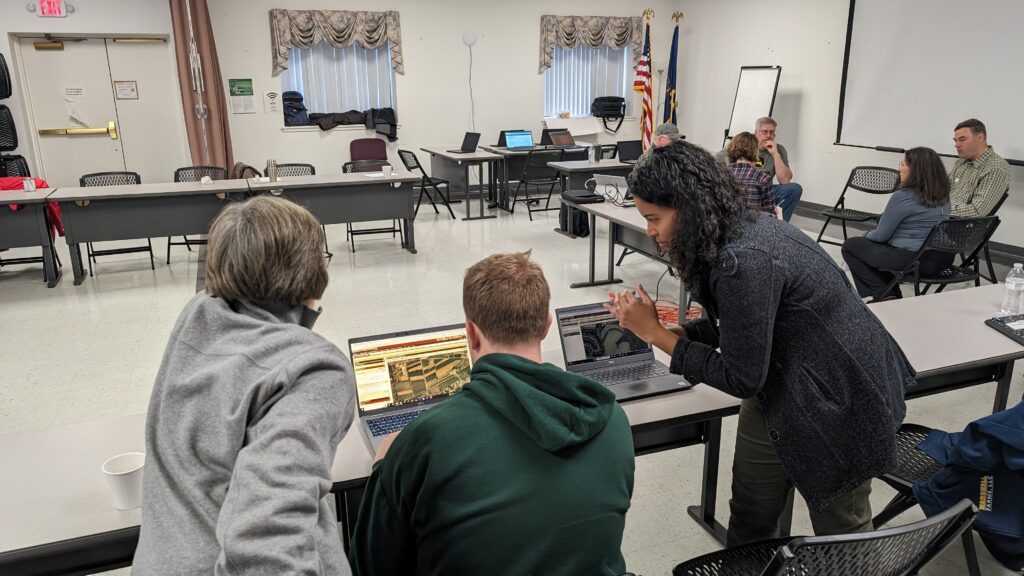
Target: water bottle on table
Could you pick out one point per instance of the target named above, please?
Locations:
(592, 154)
(1013, 301)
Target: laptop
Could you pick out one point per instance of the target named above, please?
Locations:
(615, 187)
(595, 346)
(562, 139)
(519, 140)
(630, 151)
(402, 374)
(469, 142)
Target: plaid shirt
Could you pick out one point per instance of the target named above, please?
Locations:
(976, 185)
(756, 185)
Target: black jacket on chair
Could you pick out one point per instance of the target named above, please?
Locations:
(793, 334)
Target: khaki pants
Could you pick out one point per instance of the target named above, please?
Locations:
(761, 486)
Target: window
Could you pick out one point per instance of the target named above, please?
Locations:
(341, 79)
(579, 75)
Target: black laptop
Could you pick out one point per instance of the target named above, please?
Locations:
(469, 143)
(630, 151)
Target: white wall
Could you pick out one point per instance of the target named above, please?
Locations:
(807, 39)
(433, 94)
(91, 17)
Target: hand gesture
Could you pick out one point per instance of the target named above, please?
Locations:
(635, 312)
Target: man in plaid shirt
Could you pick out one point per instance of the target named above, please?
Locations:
(979, 176)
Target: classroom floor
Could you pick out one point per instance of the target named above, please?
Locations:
(75, 354)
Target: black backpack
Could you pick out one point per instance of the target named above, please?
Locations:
(576, 222)
(294, 110)
(605, 107)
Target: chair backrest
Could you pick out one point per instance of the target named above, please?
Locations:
(999, 204)
(363, 166)
(411, 163)
(536, 166)
(961, 235)
(609, 150)
(110, 179)
(368, 149)
(890, 552)
(8, 133)
(293, 170)
(873, 179)
(196, 173)
(13, 165)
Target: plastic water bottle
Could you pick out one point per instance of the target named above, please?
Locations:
(1013, 302)
(592, 154)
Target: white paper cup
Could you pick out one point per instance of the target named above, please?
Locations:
(386, 169)
(124, 476)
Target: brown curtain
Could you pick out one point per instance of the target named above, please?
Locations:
(593, 31)
(216, 149)
(339, 28)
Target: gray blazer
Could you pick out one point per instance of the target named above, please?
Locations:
(793, 334)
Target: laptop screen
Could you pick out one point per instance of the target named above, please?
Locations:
(590, 334)
(518, 139)
(630, 150)
(470, 141)
(562, 139)
(412, 367)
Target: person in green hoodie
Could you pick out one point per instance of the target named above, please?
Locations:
(526, 470)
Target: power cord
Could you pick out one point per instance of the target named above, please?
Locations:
(472, 102)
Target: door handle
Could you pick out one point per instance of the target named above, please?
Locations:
(110, 130)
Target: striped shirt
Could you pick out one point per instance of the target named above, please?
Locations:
(756, 185)
(976, 185)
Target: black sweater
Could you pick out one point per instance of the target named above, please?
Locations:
(793, 334)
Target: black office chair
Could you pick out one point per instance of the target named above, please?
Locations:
(608, 151)
(988, 257)
(194, 174)
(114, 179)
(291, 170)
(869, 179)
(890, 552)
(350, 232)
(538, 174)
(912, 466)
(963, 236)
(427, 183)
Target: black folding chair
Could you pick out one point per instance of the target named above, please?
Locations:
(869, 179)
(427, 183)
(890, 552)
(913, 466)
(114, 179)
(963, 236)
(988, 257)
(350, 232)
(194, 174)
(538, 174)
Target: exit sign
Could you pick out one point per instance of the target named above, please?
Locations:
(52, 9)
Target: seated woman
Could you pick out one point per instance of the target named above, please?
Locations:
(921, 202)
(755, 183)
(248, 409)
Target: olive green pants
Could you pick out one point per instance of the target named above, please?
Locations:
(761, 487)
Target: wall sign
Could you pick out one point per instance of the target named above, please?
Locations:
(271, 102)
(243, 99)
(52, 9)
(126, 90)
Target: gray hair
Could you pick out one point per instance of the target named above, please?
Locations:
(765, 120)
(267, 250)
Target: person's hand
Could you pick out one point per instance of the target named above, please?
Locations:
(385, 444)
(778, 212)
(635, 312)
(771, 147)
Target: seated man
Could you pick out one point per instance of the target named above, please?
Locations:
(979, 176)
(773, 159)
(527, 470)
(666, 134)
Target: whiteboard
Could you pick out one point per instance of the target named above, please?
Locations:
(755, 97)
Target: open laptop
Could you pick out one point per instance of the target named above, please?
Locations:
(519, 140)
(399, 375)
(469, 142)
(595, 346)
(562, 139)
(630, 151)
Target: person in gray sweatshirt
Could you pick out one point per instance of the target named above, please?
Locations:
(247, 410)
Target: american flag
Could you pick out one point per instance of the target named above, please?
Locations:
(642, 83)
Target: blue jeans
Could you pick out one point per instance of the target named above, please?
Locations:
(787, 196)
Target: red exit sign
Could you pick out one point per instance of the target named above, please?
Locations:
(52, 8)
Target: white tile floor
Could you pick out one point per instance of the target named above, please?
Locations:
(75, 354)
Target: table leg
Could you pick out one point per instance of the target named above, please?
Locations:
(482, 216)
(704, 514)
(76, 263)
(569, 220)
(1003, 387)
(592, 260)
(49, 256)
(410, 236)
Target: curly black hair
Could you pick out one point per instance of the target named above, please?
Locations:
(706, 197)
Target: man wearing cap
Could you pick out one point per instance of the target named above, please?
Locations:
(773, 159)
(666, 134)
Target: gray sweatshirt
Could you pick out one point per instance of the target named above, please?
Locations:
(246, 413)
(906, 222)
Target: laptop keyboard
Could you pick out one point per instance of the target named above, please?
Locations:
(391, 423)
(623, 374)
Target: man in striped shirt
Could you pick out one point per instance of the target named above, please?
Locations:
(979, 176)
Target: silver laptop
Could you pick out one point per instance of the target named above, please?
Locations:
(614, 189)
(594, 345)
(402, 374)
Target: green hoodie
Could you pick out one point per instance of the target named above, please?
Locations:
(527, 470)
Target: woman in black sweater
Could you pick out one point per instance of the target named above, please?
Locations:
(822, 381)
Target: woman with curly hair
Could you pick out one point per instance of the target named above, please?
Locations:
(821, 380)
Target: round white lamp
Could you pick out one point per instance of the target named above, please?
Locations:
(469, 39)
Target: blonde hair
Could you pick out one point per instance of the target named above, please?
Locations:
(266, 249)
(507, 297)
(743, 146)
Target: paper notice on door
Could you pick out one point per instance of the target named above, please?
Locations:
(243, 98)
(75, 117)
(126, 90)
(74, 93)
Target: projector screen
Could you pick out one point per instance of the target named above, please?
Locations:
(916, 68)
